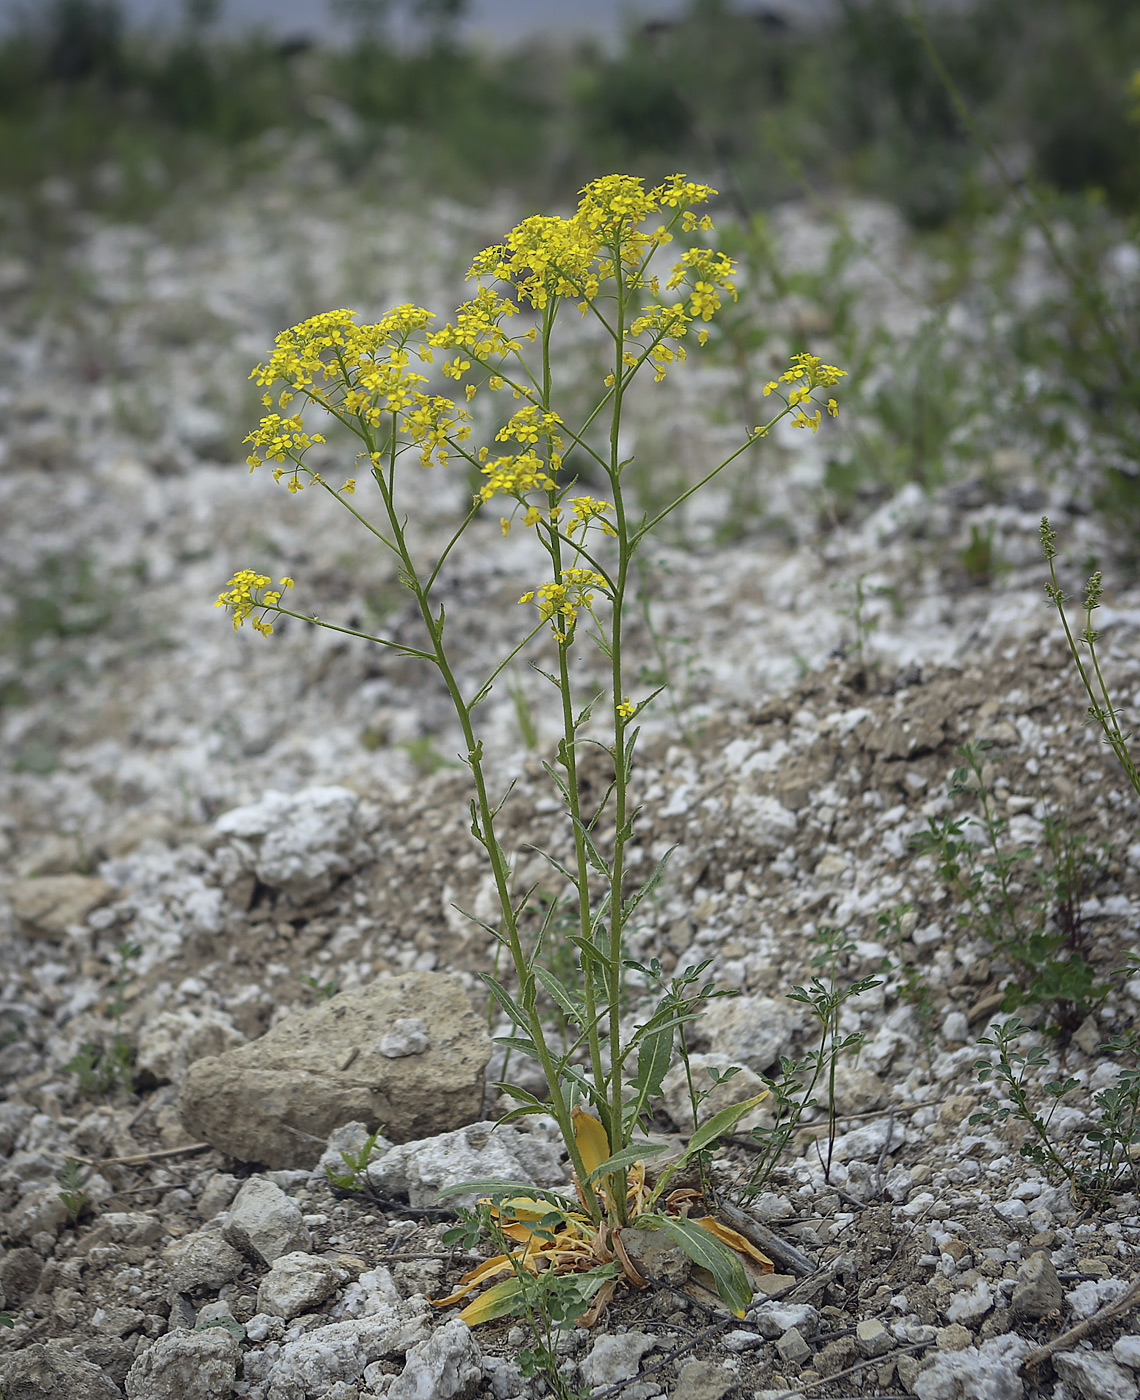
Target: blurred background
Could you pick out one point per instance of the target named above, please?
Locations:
(123, 99)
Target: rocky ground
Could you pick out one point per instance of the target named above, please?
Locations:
(230, 872)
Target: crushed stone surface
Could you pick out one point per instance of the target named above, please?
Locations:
(256, 822)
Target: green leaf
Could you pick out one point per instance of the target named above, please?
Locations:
(503, 997)
(721, 1124)
(707, 1251)
(636, 1152)
(567, 1004)
(653, 1058)
(517, 1042)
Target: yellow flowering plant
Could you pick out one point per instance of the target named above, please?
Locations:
(375, 381)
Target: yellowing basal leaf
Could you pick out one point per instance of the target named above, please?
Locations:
(593, 1144)
(736, 1241)
(498, 1300)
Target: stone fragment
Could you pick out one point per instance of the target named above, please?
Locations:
(264, 1223)
(704, 1380)
(752, 1031)
(774, 1319)
(447, 1366)
(186, 1366)
(310, 1364)
(172, 1041)
(20, 1271)
(1094, 1376)
(858, 1089)
(989, 1372)
(953, 1338)
(39, 1213)
(763, 821)
(52, 1371)
(218, 1192)
(46, 906)
(653, 1254)
(970, 1303)
(1126, 1350)
(202, 1262)
(1037, 1290)
(615, 1357)
(130, 1227)
(408, 1036)
(744, 1085)
(792, 1347)
(479, 1152)
(872, 1338)
(297, 1283)
(505, 1378)
(300, 843)
(276, 1099)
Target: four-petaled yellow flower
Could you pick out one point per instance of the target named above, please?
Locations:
(248, 590)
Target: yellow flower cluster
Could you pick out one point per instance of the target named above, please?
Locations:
(707, 272)
(806, 374)
(431, 422)
(245, 592)
(515, 476)
(527, 425)
(360, 371)
(279, 438)
(584, 509)
(560, 603)
(477, 327)
(626, 709)
(545, 256)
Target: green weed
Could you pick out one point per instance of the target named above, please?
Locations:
(1049, 965)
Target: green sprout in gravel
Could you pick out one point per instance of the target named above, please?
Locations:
(374, 381)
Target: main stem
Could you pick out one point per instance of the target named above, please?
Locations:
(490, 841)
(621, 775)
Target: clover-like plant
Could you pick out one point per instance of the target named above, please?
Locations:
(374, 381)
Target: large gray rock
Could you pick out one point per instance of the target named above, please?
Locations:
(186, 1366)
(50, 1371)
(298, 1283)
(275, 1100)
(48, 905)
(989, 1372)
(479, 1152)
(264, 1223)
(447, 1366)
(300, 843)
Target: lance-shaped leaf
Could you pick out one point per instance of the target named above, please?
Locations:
(500, 1300)
(653, 1057)
(705, 1249)
(569, 1005)
(627, 1157)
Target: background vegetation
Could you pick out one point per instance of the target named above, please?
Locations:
(1001, 129)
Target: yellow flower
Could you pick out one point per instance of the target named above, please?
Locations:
(626, 709)
(585, 509)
